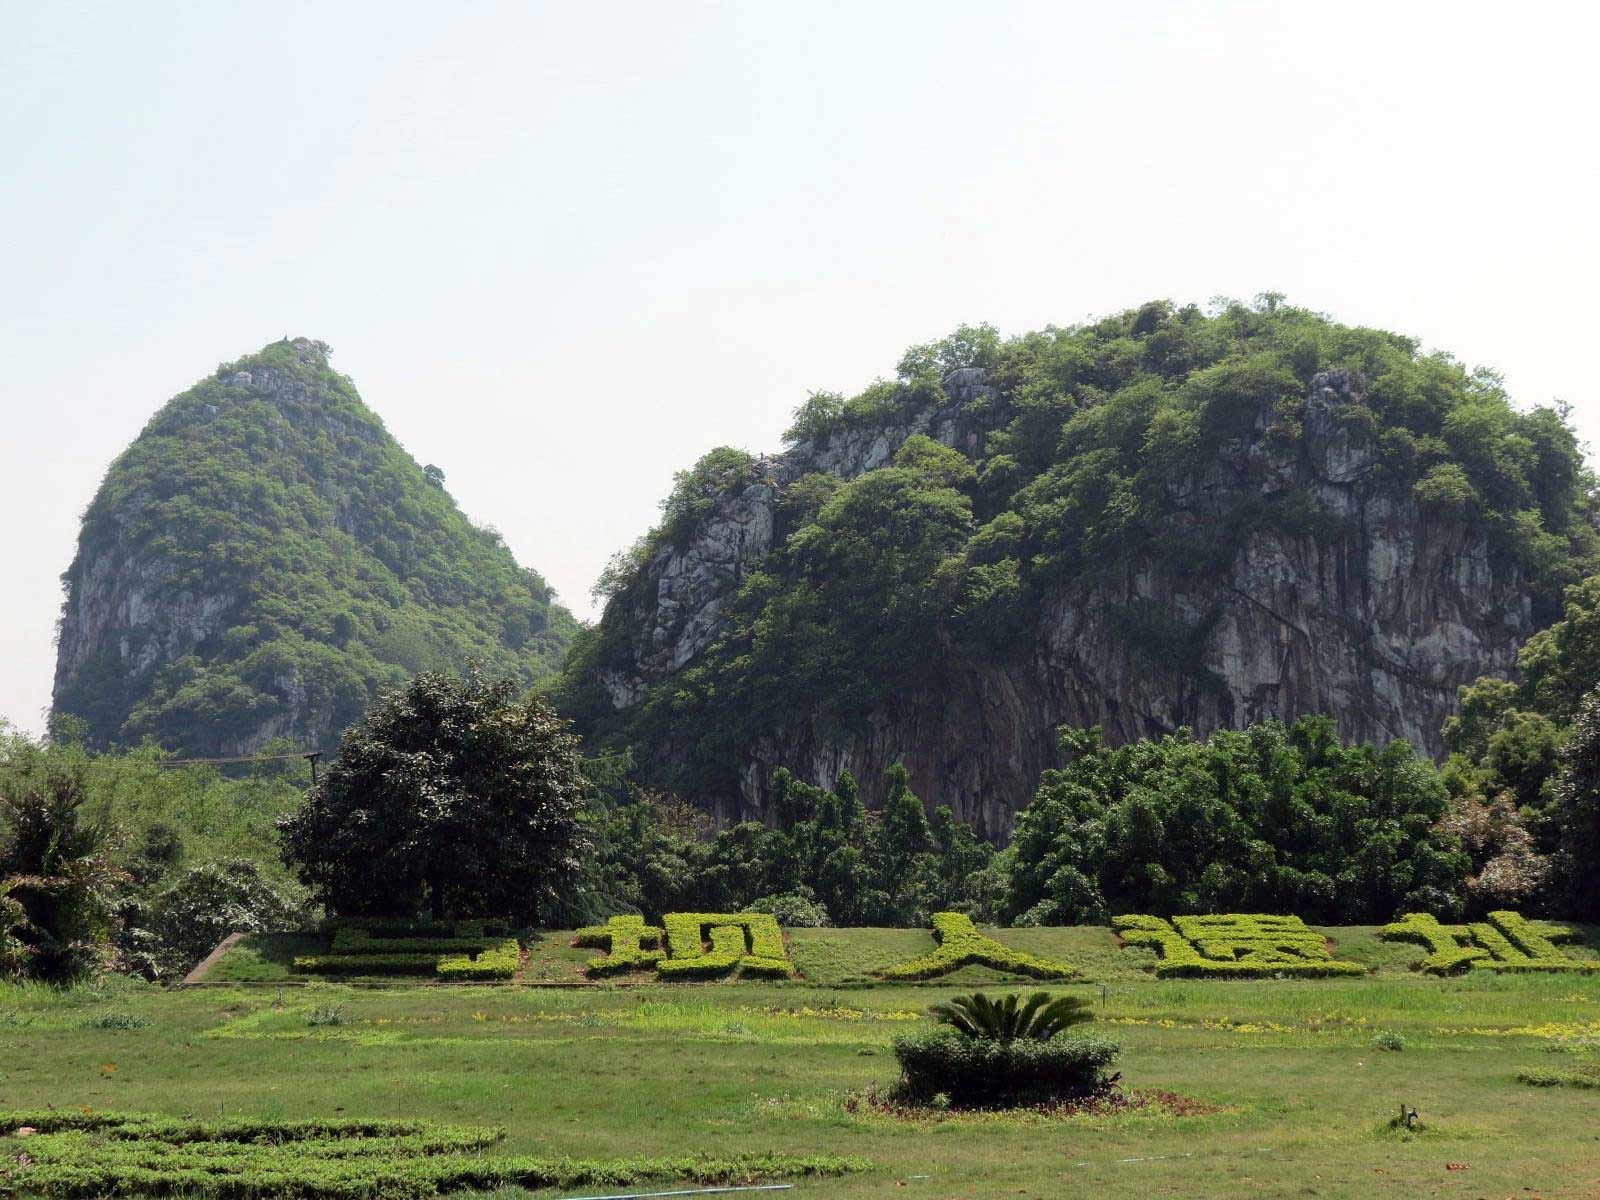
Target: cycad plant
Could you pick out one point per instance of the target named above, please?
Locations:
(1007, 1018)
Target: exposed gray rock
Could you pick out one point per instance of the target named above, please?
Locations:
(1378, 623)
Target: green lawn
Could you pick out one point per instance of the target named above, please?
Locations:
(1299, 1091)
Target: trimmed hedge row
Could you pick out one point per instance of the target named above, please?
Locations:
(1582, 1077)
(499, 961)
(752, 942)
(419, 927)
(629, 943)
(977, 1071)
(961, 945)
(177, 1130)
(127, 1154)
(450, 950)
(355, 941)
(366, 964)
(1234, 946)
(1506, 941)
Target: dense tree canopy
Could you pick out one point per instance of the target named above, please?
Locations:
(1269, 819)
(452, 793)
(824, 857)
(1519, 771)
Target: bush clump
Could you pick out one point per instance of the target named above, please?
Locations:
(981, 1072)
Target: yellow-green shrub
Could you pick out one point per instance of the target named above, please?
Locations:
(1234, 946)
(961, 945)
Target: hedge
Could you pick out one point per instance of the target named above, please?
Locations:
(121, 1154)
(751, 941)
(1582, 1077)
(461, 950)
(1506, 941)
(630, 945)
(355, 941)
(1234, 946)
(960, 945)
(366, 964)
(975, 1071)
(727, 948)
(419, 927)
(498, 962)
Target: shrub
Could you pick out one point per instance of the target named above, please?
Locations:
(1506, 941)
(1234, 946)
(961, 945)
(979, 1072)
(357, 941)
(392, 926)
(1387, 1039)
(458, 950)
(117, 1021)
(211, 901)
(629, 943)
(57, 882)
(727, 948)
(1040, 1016)
(795, 910)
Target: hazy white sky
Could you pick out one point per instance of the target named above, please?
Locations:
(564, 249)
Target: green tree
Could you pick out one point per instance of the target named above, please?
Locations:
(1272, 818)
(192, 915)
(1577, 812)
(57, 881)
(450, 792)
(900, 850)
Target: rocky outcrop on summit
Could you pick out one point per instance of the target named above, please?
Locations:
(264, 558)
(1374, 610)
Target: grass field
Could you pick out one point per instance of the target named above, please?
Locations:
(1289, 1090)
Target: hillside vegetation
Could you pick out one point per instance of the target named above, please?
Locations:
(1084, 467)
(265, 557)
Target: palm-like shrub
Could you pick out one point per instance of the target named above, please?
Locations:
(57, 883)
(1003, 1051)
(1039, 1016)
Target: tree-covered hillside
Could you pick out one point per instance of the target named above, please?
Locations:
(265, 557)
(1167, 517)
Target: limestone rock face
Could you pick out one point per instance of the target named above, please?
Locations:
(265, 558)
(1377, 623)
